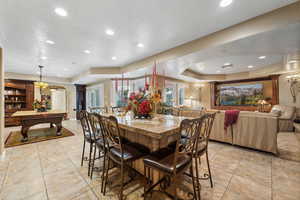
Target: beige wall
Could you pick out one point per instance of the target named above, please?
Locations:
(1, 103)
(205, 95)
(107, 92)
(285, 97)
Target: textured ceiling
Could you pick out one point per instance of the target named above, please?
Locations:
(159, 25)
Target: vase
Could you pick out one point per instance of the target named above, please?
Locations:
(41, 109)
(143, 116)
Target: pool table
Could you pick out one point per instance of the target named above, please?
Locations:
(31, 118)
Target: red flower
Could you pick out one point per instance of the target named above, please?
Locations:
(132, 96)
(145, 107)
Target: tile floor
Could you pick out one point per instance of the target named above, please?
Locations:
(51, 170)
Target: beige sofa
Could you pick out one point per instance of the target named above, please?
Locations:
(253, 130)
(286, 115)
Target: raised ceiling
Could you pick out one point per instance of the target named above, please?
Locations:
(275, 45)
(159, 25)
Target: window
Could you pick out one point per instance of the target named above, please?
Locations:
(95, 96)
(120, 94)
(181, 96)
(170, 94)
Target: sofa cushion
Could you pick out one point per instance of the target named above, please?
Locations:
(276, 112)
(287, 112)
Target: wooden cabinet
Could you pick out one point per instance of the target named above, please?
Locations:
(18, 95)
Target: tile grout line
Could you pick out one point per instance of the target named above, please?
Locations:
(271, 178)
(230, 181)
(42, 170)
(5, 177)
(78, 172)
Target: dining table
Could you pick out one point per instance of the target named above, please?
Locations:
(154, 134)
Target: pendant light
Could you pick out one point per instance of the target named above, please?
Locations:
(40, 83)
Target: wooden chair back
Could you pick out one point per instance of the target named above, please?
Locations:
(85, 124)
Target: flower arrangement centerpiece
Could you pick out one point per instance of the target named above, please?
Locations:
(140, 104)
(144, 103)
(40, 105)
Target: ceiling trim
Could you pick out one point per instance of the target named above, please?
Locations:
(30, 77)
(266, 22)
(105, 70)
(199, 76)
(266, 71)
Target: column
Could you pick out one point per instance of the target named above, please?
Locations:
(2, 114)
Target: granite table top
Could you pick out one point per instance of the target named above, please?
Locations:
(158, 127)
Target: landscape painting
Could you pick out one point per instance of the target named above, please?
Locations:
(241, 95)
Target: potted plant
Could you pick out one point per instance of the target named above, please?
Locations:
(40, 105)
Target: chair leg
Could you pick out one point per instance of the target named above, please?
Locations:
(103, 171)
(209, 172)
(90, 158)
(148, 182)
(198, 186)
(106, 175)
(83, 150)
(122, 181)
(193, 180)
(93, 161)
(175, 188)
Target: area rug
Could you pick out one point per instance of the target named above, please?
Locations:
(35, 135)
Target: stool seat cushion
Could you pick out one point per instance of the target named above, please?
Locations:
(129, 153)
(165, 163)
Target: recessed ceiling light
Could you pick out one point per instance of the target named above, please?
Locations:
(44, 58)
(109, 32)
(87, 51)
(227, 66)
(66, 69)
(61, 12)
(50, 42)
(140, 45)
(114, 58)
(218, 71)
(225, 3)
(262, 57)
(250, 66)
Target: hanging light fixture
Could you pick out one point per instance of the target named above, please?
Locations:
(41, 84)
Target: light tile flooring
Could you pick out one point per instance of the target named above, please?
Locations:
(51, 170)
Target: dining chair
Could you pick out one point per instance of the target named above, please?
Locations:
(172, 165)
(204, 140)
(207, 123)
(118, 152)
(116, 109)
(88, 136)
(98, 109)
(99, 145)
(176, 111)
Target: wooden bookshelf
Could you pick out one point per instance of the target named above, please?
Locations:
(18, 95)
